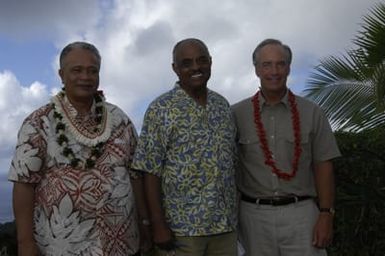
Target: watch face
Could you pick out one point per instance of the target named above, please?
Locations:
(146, 222)
(329, 210)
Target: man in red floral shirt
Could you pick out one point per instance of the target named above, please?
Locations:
(74, 189)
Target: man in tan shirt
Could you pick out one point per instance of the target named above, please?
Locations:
(285, 149)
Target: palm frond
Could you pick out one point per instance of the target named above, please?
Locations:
(372, 36)
(351, 88)
(378, 80)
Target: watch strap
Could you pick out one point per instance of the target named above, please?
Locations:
(330, 210)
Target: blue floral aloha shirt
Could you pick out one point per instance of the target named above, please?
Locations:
(192, 149)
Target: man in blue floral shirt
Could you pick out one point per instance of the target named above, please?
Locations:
(187, 150)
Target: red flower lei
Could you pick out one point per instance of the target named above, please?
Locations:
(262, 137)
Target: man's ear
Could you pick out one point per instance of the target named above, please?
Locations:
(256, 71)
(60, 72)
(175, 68)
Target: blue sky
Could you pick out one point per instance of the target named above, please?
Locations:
(135, 38)
(28, 60)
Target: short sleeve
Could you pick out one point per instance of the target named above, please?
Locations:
(325, 146)
(28, 158)
(134, 174)
(151, 149)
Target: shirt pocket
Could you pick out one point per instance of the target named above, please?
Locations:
(289, 147)
(249, 149)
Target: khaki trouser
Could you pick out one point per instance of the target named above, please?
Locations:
(279, 230)
(214, 245)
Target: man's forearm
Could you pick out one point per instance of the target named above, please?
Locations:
(138, 189)
(23, 204)
(153, 195)
(162, 234)
(324, 180)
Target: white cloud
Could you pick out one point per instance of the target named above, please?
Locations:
(50, 19)
(16, 102)
(136, 37)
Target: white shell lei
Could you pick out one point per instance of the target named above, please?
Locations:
(84, 137)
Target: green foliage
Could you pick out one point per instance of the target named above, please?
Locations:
(8, 244)
(360, 198)
(351, 88)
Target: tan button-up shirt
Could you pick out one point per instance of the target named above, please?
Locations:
(254, 177)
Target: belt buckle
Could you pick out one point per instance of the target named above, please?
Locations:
(284, 200)
(275, 201)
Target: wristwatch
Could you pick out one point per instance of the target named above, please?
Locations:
(330, 210)
(146, 222)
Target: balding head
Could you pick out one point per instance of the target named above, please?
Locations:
(187, 41)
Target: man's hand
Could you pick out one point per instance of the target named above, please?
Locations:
(28, 249)
(145, 237)
(163, 237)
(323, 230)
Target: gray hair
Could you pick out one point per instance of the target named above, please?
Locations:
(78, 45)
(268, 41)
(188, 40)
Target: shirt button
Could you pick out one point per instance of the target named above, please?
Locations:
(272, 136)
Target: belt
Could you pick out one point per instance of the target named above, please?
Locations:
(275, 201)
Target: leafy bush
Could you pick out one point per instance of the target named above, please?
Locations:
(8, 244)
(360, 198)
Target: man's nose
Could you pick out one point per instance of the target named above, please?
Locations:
(274, 68)
(85, 74)
(195, 65)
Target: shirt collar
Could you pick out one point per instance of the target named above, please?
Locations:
(284, 100)
(71, 110)
(178, 89)
(180, 92)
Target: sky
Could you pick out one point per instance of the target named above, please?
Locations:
(135, 39)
